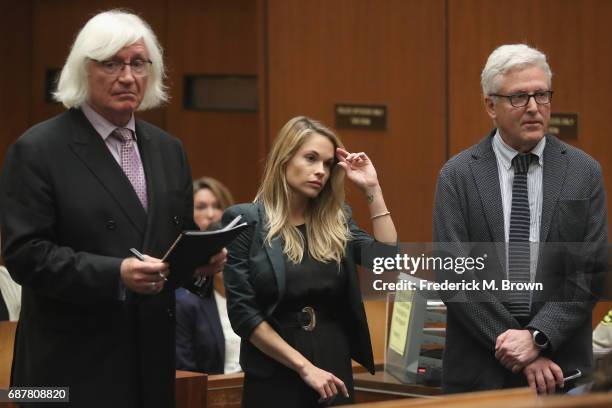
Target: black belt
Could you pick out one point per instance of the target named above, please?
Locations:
(305, 319)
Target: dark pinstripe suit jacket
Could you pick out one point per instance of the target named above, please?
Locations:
(468, 208)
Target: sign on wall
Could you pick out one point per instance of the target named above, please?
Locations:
(369, 117)
(564, 125)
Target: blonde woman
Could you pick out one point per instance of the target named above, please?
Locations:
(291, 281)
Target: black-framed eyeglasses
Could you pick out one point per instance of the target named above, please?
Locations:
(522, 99)
(139, 67)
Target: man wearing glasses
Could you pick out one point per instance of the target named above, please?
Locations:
(77, 192)
(520, 186)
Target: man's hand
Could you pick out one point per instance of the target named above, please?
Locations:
(543, 374)
(145, 277)
(215, 265)
(515, 349)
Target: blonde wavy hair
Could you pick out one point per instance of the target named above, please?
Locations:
(326, 223)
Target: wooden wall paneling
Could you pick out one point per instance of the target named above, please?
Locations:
(591, 89)
(324, 52)
(262, 69)
(568, 32)
(573, 35)
(15, 48)
(216, 37)
(55, 25)
(357, 51)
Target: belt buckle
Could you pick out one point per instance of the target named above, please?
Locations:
(313, 319)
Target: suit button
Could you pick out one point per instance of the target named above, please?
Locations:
(111, 224)
(170, 313)
(176, 219)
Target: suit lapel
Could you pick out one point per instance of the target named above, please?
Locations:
(553, 176)
(91, 149)
(156, 182)
(275, 254)
(486, 176)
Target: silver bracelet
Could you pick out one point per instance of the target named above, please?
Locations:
(380, 215)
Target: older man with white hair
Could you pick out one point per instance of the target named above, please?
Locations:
(77, 192)
(526, 189)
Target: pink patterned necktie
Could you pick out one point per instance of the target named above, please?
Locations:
(131, 164)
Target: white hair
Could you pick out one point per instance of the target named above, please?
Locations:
(507, 58)
(101, 38)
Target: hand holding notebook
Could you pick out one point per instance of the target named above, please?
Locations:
(192, 249)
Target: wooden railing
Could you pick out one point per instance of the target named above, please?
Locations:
(7, 340)
(512, 398)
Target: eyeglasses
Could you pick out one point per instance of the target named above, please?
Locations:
(522, 99)
(139, 67)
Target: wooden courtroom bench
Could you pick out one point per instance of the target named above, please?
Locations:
(197, 390)
(7, 340)
(191, 389)
(225, 390)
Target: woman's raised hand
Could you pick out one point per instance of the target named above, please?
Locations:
(358, 167)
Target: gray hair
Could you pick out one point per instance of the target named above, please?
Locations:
(101, 38)
(507, 58)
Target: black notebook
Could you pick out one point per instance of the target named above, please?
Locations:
(192, 249)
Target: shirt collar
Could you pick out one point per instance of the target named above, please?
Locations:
(102, 125)
(505, 153)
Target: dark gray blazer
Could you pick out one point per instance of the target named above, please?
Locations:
(255, 285)
(468, 208)
(69, 216)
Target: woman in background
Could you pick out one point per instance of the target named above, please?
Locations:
(205, 341)
(210, 198)
(290, 279)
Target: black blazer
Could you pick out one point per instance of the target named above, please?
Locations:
(69, 216)
(200, 344)
(255, 285)
(468, 209)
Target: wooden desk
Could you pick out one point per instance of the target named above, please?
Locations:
(383, 386)
(467, 400)
(190, 389)
(511, 398)
(7, 340)
(595, 400)
(225, 390)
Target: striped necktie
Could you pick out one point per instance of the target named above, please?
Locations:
(519, 253)
(131, 163)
